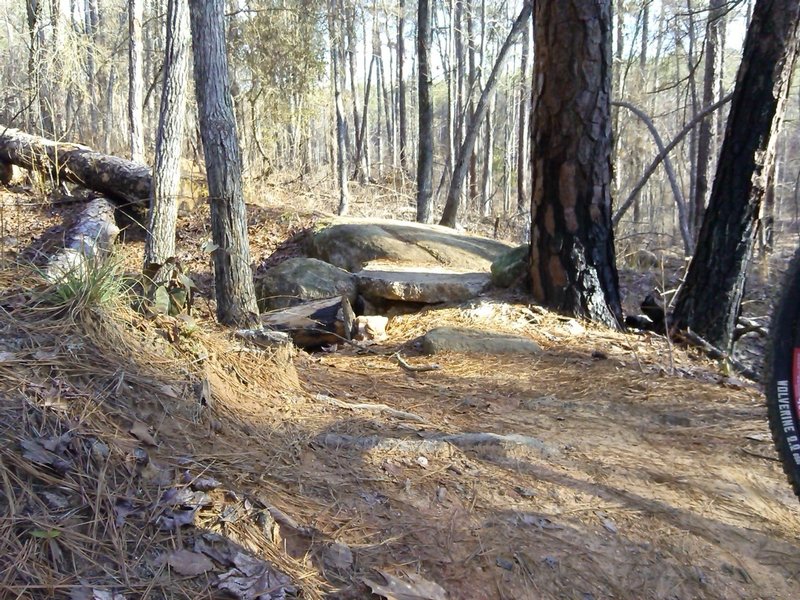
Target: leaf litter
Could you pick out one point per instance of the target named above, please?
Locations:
(610, 427)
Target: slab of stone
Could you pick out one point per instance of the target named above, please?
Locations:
(298, 280)
(352, 243)
(472, 341)
(418, 284)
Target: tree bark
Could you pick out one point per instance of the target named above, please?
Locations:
(341, 126)
(88, 243)
(710, 299)
(704, 136)
(401, 85)
(449, 218)
(425, 154)
(572, 244)
(135, 80)
(118, 178)
(233, 278)
(523, 157)
(163, 216)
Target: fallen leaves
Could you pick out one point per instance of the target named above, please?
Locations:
(142, 433)
(416, 588)
(188, 563)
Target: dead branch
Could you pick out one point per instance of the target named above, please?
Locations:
(439, 441)
(368, 407)
(712, 351)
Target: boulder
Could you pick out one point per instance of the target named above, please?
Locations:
(511, 267)
(378, 283)
(352, 243)
(458, 339)
(300, 279)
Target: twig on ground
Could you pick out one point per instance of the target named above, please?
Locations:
(378, 408)
(413, 368)
(712, 351)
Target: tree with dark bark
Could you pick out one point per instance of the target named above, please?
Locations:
(425, 154)
(233, 277)
(710, 299)
(163, 215)
(572, 246)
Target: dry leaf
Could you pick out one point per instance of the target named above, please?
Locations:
(33, 451)
(191, 564)
(418, 588)
(338, 555)
(141, 432)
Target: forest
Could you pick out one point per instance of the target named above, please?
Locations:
(404, 300)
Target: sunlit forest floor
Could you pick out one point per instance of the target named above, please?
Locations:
(654, 475)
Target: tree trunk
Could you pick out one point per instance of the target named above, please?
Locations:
(425, 154)
(91, 24)
(135, 80)
(710, 299)
(362, 162)
(350, 22)
(341, 126)
(473, 83)
(449, 218)
(522, 132)
(233, 278)
(572, 243)
(704, 136)
(115, 177)
(401, 85)
(487, 187)
(683, 220)
(169, 140)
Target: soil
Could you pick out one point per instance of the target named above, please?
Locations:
(653, 475)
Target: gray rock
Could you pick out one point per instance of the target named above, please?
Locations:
(300, 279)
(419, 284)
(511, 267)
(457, 339)
(352, 243)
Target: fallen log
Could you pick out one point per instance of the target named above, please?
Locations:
(88, 243)
(114, 177)
(310, 324)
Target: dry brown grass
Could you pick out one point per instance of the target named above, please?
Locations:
(659, 480)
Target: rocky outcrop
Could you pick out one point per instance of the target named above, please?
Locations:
(353, 243)
(301, 279)
(428, 285)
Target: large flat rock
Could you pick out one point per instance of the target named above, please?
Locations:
(429, 285)
(459, 339)
(351, 243)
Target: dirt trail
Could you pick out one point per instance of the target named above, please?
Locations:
(655, 476)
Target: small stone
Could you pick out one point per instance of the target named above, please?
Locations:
(459, 339)
(525, 492)
(504, 563)
(422, 462)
